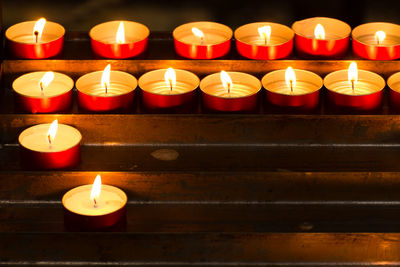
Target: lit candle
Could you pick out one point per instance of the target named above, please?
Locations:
(321, 37)
(50, 146)
(168, 88)
(394, 85)
(119, 39)
(264, 40)
(202, 40)
(106, 90)
(94, 206)
(377, 41)
(230, 91)
(355, 89)
(43, 92)
(293, 88)
(35, 39)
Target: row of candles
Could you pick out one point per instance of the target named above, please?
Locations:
(317, 37)
(111, 90)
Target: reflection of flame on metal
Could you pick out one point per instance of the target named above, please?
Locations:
(319, 32)
(198, 33)
(120, 37)
(47, 78)
(290, 78)
(105, 78)
(96, 190)
(38, 29)
(226, 81)
(265, 33)
(353, 75)
(51, 133)
(380, 37)
(170, 78)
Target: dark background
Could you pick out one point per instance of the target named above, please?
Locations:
(166, 15)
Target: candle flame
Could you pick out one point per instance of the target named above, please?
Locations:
(96, 190)
(120, 37)
(319, 32)
(380, 37)
(265, 33)
(290, 77)
(51, 133)
(38, 29)
(170, 77)
(198, 33)
(105, 78)
(353, 74)
(226, 81)
(47, 78)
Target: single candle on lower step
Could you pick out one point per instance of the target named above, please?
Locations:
(354, 89)
(230, 92)
(35, 39)
(50, 146)
(293, 88)
(264, 40)
(96, 206)
(106, 91)
(377, 41)
(168, 88)
(43, 92)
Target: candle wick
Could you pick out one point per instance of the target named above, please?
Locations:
(95, 202)
(291, 86)
(36, 36)
(49, 139)
(201, 40)
(41, 87)
(265, 39)
(105, 86)
(352, 86)
(170, 84)
(229, 88)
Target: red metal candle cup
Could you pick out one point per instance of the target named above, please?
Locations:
(216, 42)
(305, 94)
(93, 97)
(250, 44)
(79, 211)
(243, 96)
(367, 95)
(334, 45)
(37, 153)
(157, 94)
(22, 44)
(104, 41)
(55, 97)
(394, 85)
(368, 44)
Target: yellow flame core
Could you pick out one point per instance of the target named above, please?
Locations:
(48, 77)
(319, 32)
(265, 33)
(170, 78)
(380, 37)
(120, 37)
(290, 78)
(226, 80)
(51, 133)
(198, 33)
(105, 78)
(353, 73)
(96, 189)
(38, 28)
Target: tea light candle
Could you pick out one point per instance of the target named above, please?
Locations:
(355, 89)
(94, 206)
(43, 92)
(35, 39)
(50, 146)
(119, 39)
(321, 37)
(264, 40)
(106, 90)
(230, 91)
(202, 40)
(293, 88)
(377, 41)
(394, 85)
(167, 88)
